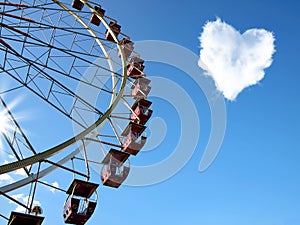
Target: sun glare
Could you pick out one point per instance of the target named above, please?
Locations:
(4, 127)
(4, 122)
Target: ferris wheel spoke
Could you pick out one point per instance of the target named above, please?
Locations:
(53, 27)
(66, 74)
(67, 53)
(36, 72)
(53, 95)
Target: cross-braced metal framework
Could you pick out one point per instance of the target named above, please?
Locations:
(50, 53)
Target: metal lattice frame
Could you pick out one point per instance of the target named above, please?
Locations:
(32, 71)
(45, 48)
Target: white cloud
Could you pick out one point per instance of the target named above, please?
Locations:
(21, 171)
(20, 209)
(55, 184)
(17, 197)
(28, 198)
(23, 199)
(235, 61)
(6, 178)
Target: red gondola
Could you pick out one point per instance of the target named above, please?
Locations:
(78, 207)
(127, 47)
(116, 28)
(140, 88)
(24, 219)
(133, 143)
(141, 110)
(135, 68)
(77, 4)
(114, 172)
(94, 18)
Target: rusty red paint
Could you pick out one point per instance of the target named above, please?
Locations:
(14, 29)
(14, 4)
(17, 17)
(5, 44)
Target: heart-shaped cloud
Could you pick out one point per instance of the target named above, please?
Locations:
(235, 61)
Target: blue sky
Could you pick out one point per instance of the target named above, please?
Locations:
(255, 177)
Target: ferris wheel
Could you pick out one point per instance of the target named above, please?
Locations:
(68, 65)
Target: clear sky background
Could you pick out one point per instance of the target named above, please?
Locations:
(255, 178)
